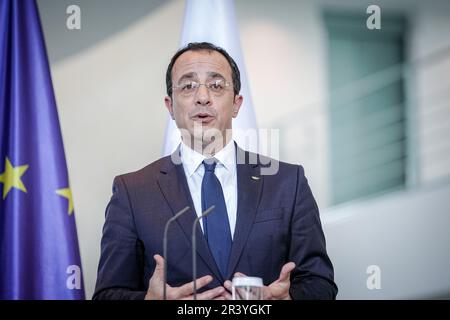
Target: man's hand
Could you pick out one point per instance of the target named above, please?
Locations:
(277, 290)
(185, 292)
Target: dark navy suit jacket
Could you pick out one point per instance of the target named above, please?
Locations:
(277, 222)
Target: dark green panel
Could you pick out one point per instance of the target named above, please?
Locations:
(366, 111)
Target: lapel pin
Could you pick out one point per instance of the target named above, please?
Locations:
(256, 178)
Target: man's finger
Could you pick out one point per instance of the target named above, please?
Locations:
(239, 274)
(228, 285)
(159, 262)
(227, 295)
(155, 283)
(286, 271)
(188, 288)
(159, 268)
(267, 295)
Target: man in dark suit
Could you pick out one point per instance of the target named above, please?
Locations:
(264, 224)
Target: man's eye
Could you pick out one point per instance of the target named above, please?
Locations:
(216, 85)
(187, 86)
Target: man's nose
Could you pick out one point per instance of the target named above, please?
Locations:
(202, 96)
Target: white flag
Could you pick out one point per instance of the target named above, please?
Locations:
(214, 21)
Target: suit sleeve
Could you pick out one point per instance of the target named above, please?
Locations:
(313, 277)
(120, 270)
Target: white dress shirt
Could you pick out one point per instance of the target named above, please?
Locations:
(225, 171)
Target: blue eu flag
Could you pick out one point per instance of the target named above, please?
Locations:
(39, 255)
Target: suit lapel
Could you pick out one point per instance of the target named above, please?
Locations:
(173, 185)
(249, 187)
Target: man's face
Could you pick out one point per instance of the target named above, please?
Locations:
(203, 109)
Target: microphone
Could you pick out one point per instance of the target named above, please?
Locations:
(194, 247)
(166, 228)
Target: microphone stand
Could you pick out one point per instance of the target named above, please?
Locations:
(194, 247)
(166, 228)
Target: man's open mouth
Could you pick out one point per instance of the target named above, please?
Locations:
(203, 118)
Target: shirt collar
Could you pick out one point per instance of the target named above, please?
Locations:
(191, 159)
(227, 156)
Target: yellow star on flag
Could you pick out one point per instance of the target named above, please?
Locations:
(66, 193)
(11, 177)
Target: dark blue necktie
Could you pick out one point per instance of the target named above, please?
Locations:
(216, 225)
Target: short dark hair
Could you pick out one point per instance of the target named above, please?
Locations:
(197, 46)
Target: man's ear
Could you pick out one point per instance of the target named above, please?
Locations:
(238, 99)
(169, 106)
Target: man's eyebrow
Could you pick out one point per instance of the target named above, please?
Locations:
(215, 75)
(187, 76)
